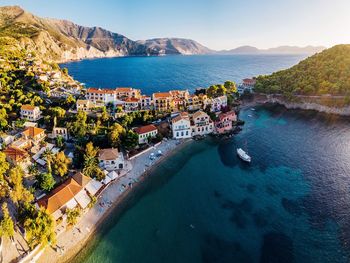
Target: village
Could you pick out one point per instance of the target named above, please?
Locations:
(69, 143)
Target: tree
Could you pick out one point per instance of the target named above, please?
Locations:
(91, 167)
(104, 115)
(18, 192)
(221, 90)
(61, 164)
(6, 224)
(115, 134)
(211, 91)
(59, 141)
(46, 181)
(40, 228)
(65, 71)
(57, 112)
(3, 119)
(70, 100)
(130, 139)
(79, 126)
(72, 215)
(230, 86)
(48, 156)
(4, 166)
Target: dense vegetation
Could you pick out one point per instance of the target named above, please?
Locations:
(327, 72)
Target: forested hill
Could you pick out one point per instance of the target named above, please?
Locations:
(327, 72)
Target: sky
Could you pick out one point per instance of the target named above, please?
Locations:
(217, 24)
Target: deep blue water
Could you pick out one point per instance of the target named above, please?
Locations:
(204, 205)
(292, 204)
(152, 74)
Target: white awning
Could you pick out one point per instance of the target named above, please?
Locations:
(83, 199)
(113, 175)
(106, 180)
(93, 186)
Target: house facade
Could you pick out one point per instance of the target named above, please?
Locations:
(218, 103)
(145, 102)
(131, 104)
(84, 105)
(31, 113)
(111, 159)
(224, 122)
(201, 124)
(146, 132)
(163, 101)
(122, 93)
(181, 126)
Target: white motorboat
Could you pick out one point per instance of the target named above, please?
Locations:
(243, 155)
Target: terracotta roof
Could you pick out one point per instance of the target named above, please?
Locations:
(60, 196)
(28, 107)
(108, 154)
(15, 154)
(161, 94)
(145, 129)
(100, 91)
(131, 100)
(81, 179)
(123, 89)
(226, 114)
(198, 113)
(33, 131)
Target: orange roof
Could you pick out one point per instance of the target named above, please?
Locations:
(123, 89)
(63, 193)
(15, 154)
(162, 95)
(100, 91)
(198, 113)
(33, 131)
(131, 100)
(145, 129)
(108, 154)
(27, 107)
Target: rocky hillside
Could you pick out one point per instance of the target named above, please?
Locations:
(61, 40)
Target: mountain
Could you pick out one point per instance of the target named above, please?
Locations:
(323, 73)
(61, 40)
(278, 50)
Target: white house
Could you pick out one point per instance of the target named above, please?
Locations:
(181, 126)
(218, 103)
(145, 132)
(31, 113)
(111, 159)
(202, 124)
(145, 102)
(59, 131)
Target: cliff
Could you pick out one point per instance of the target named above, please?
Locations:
(61, 40)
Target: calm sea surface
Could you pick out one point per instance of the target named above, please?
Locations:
(153, 74)
(292, 204)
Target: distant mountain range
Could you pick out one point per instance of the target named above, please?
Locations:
(61, 40)
(277, 50)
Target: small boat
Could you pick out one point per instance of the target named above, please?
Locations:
(250, 115)
(252, 109)
(243, 155)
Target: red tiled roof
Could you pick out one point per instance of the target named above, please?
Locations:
(100, 91)
(162, 95)
(15, 154)
(120, 89)
(131, 100)
(108, 154)
(27, 107)
(33, 131)
(145, 129)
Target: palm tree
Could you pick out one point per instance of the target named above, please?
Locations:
(49, 156)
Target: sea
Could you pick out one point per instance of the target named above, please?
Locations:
(203, 204)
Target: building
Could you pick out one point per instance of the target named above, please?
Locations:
(59, 131)
(218, 103)
(6, 139)
(163, 101)
(31, 113)
(201, 124)
(85, 105)
(197, 102)
(111, 159)
(34, 134)
(181, 126)
(246, 86)
(17, 156)
(146, 132)
(249, 82)
(224, 122)
(145, 102)
(131, 104)
(101, 96)
(70, 194)
(122, 93)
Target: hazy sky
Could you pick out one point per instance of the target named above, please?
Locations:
(218, 24)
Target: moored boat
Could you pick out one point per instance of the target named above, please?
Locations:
(243, 155)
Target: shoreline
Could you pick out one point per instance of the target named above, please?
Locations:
(117, 203)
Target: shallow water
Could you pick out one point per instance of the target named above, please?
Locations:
(204, 205)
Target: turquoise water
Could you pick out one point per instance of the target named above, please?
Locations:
(204, 205)
(152, 74)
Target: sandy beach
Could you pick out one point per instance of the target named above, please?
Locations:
(71, 241)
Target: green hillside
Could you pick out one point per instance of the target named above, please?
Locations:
(327, 72)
